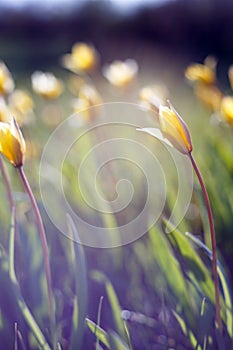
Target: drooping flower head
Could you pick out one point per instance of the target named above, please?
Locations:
(172, 130)
(12, 144)
(175, 129)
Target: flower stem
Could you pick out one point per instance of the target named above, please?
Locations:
(44, 249)
(213, 242)
(8, 185)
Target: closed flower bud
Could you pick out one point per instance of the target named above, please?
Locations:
(12, 144)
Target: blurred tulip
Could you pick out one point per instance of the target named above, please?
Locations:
(6, 82)
(226, 109)
(201, 73)
(121, 73)
(83, 58)
(46, 85)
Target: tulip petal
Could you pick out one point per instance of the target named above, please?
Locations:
(157, 133)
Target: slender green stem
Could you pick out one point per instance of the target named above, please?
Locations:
(7, 184)
(44, 249)
(213, 242)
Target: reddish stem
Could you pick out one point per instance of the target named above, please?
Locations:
(213, 242)
(44, 246)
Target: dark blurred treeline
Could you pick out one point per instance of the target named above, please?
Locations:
(195, 28)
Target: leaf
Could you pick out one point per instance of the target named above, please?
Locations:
(19, 298)
(197, 271)
(186, 331)
(116, 343)
(99, 317)
(98, 332)
(157, 133)
(171, 268)
(223, 280)
(114, 302)
(80, 278)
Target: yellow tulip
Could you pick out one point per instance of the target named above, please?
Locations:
(6, 82)
(12, 144)
(121, 73)
(46, 85)
(172, 130)
(226, 109)
(200, 73)
(175, 129)
(83, 58)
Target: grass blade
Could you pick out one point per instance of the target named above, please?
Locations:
(224, 283)
(113, 300)
(16, 289)
(116, 343)
(98, 332)
(80, 278)
(98, 318)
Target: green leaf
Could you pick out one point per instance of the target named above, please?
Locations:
(114, 302)
(116, 343)
(99, 317)
(186, 331)
(167, 262)
(224, 283)
(16, 289)
(98, 332)
(80, 278)
(197, 271)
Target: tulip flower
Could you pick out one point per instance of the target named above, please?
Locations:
(12, 144)
(172, 130)
(83, 58)
(226, 109)
(121, 73)
(46, 85)
(6, 82)
(200, 73)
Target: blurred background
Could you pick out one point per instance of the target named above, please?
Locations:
(41, 31)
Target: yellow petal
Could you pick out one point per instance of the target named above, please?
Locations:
(121, 73)
(175, 129)
(12, 144)
(201, 73)
(226, 109)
